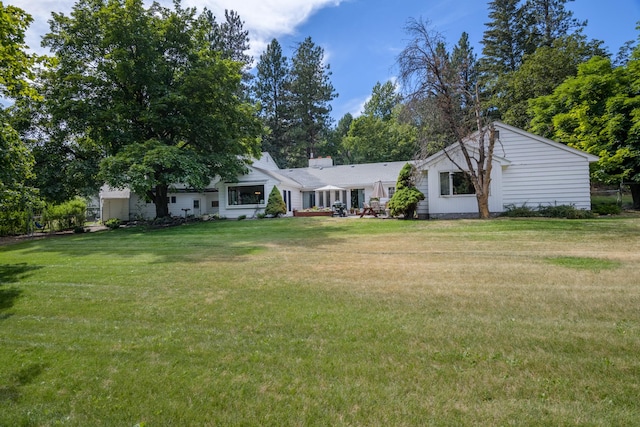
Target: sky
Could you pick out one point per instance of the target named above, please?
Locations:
(361, 39)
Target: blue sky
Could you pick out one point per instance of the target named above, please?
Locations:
(362, 38)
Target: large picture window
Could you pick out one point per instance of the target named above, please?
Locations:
(245, 195)
(455, 183)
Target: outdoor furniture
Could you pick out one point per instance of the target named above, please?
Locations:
(339, 208)
(368, 210)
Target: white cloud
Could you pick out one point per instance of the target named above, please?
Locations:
(264, 19)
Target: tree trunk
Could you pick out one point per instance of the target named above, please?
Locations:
(635, 195)
(483, 205)
(161, 201)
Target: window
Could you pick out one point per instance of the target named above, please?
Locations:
(391, 191)
(455, 183)
(196, 204)
(245, 195)
(173, 199)
(308, 199)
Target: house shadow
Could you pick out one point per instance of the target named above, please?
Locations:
(11, 273)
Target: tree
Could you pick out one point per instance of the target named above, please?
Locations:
(333, 146)
(275, 204)
(451, 114)
(504, 40)
(232, 41)
(146, 87)
(384, 99)
(598, 111)
(379, 135)
(311, 92)
(271, 90)
(406, 197)
(17, 197)
(542, 72)
(372, 139)
(527, 50)
(549, 20)
(16, 66)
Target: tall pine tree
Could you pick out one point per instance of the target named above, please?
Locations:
(311, 92)
(271, 90)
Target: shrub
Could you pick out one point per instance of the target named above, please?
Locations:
(65, 216)
(564, 211)
(275, 204)
(241, 217)
(406, 198)
(523, 211)
(112, 223)
(607, 209)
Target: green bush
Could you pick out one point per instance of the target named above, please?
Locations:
(241, 217)
(607, 209)
(112, 223)
(564, 211)
(65, 216)
(275, 204)
(523, 211)
(406, 198)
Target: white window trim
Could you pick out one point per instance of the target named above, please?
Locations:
(246, 184)
(451, 172)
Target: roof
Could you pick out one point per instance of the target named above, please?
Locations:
(347, 176)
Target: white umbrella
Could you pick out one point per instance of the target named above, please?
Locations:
(378, 190)
(330, 188)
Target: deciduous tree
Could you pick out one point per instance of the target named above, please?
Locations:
(146, 87)
(379, 135)
(451, 113)
(598, 111)
(17, 196)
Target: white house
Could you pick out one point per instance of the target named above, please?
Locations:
(527, 169)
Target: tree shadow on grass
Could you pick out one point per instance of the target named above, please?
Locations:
(11, 273)
(10, 392)
(229, 241)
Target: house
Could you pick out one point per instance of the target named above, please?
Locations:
(527, 169)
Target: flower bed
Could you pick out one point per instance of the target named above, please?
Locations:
(313, 212)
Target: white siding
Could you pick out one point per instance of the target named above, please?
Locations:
(543, 174)
(422, 184)
(440, 205)
(254, 177)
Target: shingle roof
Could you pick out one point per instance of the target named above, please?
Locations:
(347, 176)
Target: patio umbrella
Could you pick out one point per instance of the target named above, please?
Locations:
(330, 188)
(378, 190)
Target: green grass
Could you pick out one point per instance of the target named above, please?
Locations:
(325, 321)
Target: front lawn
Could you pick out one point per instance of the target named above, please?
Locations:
(325, 321)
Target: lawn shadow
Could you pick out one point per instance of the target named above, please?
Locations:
(11, 392)
(11, 273)
(225, 240)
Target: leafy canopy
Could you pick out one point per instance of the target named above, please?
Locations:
(149, 88)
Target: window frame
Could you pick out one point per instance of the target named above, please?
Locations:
(255, 200)
(451, 186)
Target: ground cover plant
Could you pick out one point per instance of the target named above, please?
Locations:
(325, 321)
